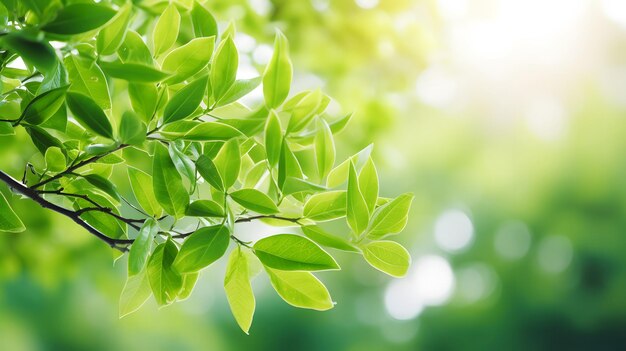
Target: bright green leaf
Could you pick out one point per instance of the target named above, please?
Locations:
(205, 246)
(356, 209)
(326, 206)
(289, 252)
(277, 76)
(135, 293)
(273, 139)
(368, 183)
(141, 184)
(168, 184)
(325, 149)
(391, 217)
(133, 72)
(224, 67)
(205, 208)
(164, 280)
(185, 101)
(9, 221)
(189, 59)
(238, 289)
(324, 238)
(204, 25)
(254, 200)
(87, 78)
(209, 172)
(55, 160)
(140, 250)
(111, 37)
(300, 289)
(228, 162)
(166, 30)
(388, 257)
(132, 130)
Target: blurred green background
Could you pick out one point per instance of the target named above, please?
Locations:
(504, 117)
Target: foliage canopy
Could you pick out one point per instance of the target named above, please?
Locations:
(152, 92)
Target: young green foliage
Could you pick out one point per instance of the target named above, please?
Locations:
(109, 115)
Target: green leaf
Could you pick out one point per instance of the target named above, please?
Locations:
(388, 257)
(42, 139)
(209, 172)
(87, 78)
(185, 101)
(289, 252)
(140, 250)
(224, 67)
(9, 221)
(205, 208)
(189, 282)
(103, 184)
(326, 206)
(44, 106)
(288, 166)
(277, 76)
(325, 149)
(391, 217)
(304, 111)
(35, 53)
(79, 18)
(204, 25)
(189, 59)
(239, 89)
(134, 50)
(143, 98)
(228, 162)
(141, 184)
(166, 30)
(89, 114)
(324, 238)
(300, 289)
(340, 173)
(239, 290)
(273, 139)
(132, 130)
(295, 185)
(165, 281)
(135, 293)
(203, 247)
(168, 184)
(111, 37)
(254, 200)
(103, 222)
(368, 183)
(133, 72)
(55, 160)
(210, 131)
(356, 209)
(6, 128)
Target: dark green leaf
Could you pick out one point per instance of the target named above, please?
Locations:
(34, 53)
(79, 18)
(89, 114)
(44, 106)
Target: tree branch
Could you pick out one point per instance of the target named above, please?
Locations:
(72, 168)
(120, 244)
